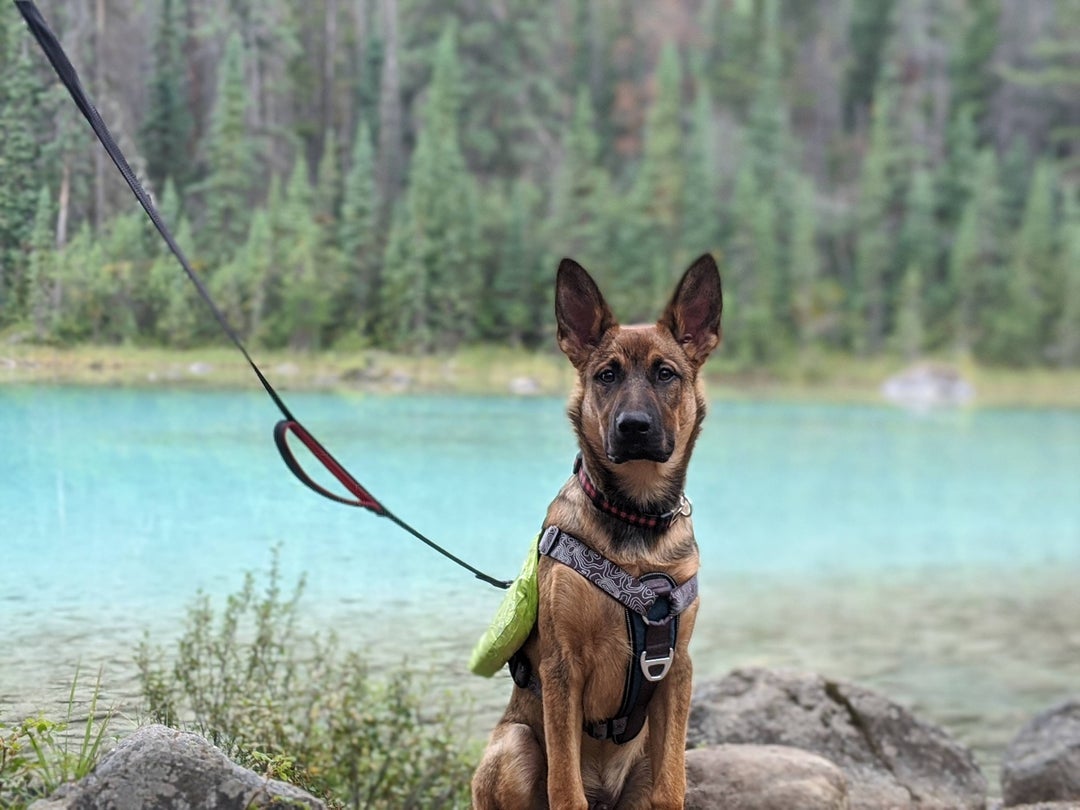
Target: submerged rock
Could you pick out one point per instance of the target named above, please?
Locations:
(891, 758)
(762, 777)
(1042, 763)
(928, 385)
(164, 768)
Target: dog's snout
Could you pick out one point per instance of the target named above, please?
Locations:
(633, 423)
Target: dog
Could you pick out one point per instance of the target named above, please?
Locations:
(637, 410)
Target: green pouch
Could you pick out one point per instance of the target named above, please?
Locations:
(513, 620)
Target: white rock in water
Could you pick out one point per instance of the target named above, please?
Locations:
(928, 385)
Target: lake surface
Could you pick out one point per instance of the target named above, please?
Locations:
(932, 556)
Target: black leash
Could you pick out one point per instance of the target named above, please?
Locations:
(289, 424)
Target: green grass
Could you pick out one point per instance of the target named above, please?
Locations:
(39, 754)
(493, 370)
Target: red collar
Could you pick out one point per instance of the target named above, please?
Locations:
(628, 514)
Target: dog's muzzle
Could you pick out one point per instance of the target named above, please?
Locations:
(637, 436)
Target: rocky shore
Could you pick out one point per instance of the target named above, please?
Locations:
(759, 739)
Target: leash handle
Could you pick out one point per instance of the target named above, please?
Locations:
(67, 74)
(361, 497)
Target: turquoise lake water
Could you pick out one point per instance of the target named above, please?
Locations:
(933, 555)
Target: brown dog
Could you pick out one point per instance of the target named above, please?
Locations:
(637, 410)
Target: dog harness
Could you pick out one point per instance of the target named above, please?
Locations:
(652, 606)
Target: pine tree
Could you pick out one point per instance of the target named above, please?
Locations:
(656, 199)
(871, 24)
(806, 267)
(875, 241)
(441, 206)
(976, 263)
(701, 196)
(910, 333)
(358, 235)
(181, 323)
(920, 254)
(973, 78)
(167, 126)
(1014, 329)
(306, 289)
(403, 318)
(41, 282)
(328, 187)
(1067, 329)
(228, 188)
(20, 99)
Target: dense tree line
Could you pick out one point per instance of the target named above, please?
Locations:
(875, 176)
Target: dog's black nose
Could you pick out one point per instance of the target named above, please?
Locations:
(631, 423)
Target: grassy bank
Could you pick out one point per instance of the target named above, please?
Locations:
(495, 371)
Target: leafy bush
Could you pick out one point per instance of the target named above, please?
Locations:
(295, 706)
(37, 754)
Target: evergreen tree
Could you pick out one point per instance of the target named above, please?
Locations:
(976, 263)
(41, 283)
(516, 295)
(228, 187)
(579, 226)
(306, 284)
(1013, 329)
(808, 311)
(328, 187)
(701, 196)
(167, 126)
(920, 254)
(871, 24)
(645, 272)
(441, 202)
(875, 240)
(974, 80)
(20, 99)
(1067, 332)
(181, 323)
(910, 333)
(403, 321)
(358, 235)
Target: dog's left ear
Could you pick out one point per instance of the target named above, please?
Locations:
(693, 316)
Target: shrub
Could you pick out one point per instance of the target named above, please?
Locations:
(295, 706)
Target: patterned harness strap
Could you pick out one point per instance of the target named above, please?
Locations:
(652, 603)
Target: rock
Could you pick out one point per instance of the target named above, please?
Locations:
(163, 768)
(200, 369)
(524, 386)
(1042, 763)
(762, 777)
(928, 385)
(890, 758)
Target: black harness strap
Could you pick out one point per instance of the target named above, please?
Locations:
(652, 604)
(360, 496)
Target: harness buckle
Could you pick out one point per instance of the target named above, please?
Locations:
(649, 664)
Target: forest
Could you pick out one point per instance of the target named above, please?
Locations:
(874, 176)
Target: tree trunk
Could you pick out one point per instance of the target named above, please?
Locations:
(389, 169)
(99, 89)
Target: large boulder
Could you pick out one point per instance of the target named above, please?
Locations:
(167, 769)
(891, 759)
(1042, 763)
(762, 777)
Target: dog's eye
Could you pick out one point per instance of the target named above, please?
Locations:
(665, 374)
(607, 376)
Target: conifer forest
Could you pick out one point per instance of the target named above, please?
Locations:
(874, 176)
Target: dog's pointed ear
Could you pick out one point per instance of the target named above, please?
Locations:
(581, 313)
(693, 316)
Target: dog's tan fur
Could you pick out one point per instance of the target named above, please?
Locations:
(539, 756)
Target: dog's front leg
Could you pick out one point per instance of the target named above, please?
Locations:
(669, 712)
(562, 694)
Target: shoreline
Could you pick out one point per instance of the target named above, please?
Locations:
(498, 371)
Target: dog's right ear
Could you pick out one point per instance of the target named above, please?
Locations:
(580, 312)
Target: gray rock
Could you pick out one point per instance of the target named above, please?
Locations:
(928, 385)
(159, 767)
(762, 777)
(891, 759)
(1042, 763)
